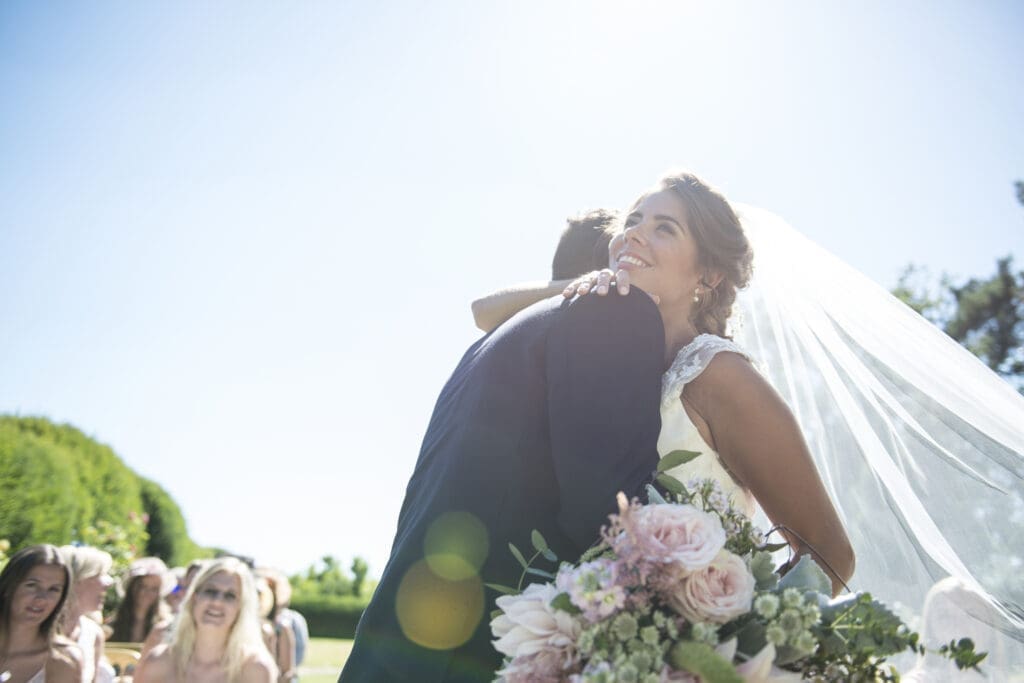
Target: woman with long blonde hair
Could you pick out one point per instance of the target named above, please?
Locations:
(217, 637)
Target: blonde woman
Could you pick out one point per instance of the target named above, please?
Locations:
(90, 579)
(217, 638)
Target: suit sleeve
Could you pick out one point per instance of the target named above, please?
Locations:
(605, 357)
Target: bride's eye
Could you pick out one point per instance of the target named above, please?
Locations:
(667, 228)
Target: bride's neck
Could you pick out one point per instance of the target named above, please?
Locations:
(679, 331)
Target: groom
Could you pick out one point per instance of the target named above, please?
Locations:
(542, 422)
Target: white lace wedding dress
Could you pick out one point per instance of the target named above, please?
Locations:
(951, 602)
(677, 429)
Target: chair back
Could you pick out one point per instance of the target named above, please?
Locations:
(124, 657)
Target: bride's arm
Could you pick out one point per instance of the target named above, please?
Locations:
(494, 309)
(759, 440)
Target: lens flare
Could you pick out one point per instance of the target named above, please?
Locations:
(456, 546)
(436, 612)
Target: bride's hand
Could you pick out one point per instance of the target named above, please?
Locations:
(598, 281)
(601, 281)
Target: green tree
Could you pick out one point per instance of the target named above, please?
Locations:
(986, 314)
(359, 569)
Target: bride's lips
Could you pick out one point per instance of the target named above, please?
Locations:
(630, 261)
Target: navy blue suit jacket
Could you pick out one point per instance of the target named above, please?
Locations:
(543, 421)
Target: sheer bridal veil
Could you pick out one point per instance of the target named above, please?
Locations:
(919, 444)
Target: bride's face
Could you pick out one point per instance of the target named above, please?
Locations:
(658, 249)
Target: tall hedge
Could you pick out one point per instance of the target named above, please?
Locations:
(168, 537)
(55, 481)
(331, 616)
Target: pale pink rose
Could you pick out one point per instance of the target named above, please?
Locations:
(531, 630)
(673, 534)
(721, 591)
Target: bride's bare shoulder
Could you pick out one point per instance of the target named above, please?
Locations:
(727, 374)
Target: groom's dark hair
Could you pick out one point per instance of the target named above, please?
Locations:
(583, 246)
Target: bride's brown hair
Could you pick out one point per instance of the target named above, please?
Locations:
(722, 248)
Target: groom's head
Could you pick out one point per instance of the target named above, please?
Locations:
(583, 246)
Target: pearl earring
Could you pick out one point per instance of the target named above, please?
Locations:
(696, 295)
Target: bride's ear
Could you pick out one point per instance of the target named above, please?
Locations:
(711, 279)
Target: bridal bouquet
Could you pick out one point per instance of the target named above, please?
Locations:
(685, 589)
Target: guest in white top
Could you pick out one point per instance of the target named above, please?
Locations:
(90, 579)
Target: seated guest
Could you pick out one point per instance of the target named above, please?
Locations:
(282, 641)
(283, 596)
(33, 589)
(143, 617)
(90, 579)
(217, 636)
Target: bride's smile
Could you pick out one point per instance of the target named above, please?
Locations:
(657, 249)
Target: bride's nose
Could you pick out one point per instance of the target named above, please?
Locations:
(635, 233)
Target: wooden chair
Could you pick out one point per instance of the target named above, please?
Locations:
(124, 657)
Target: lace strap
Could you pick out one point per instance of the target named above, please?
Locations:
(692, 360)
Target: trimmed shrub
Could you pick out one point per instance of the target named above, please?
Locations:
(42, 498)
(331, 616)
(168, 537)
(58, 485)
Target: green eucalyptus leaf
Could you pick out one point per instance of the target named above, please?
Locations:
(504, 590)
(541, 573)
(671, 484)
(541, 546)
(806, 575)
(751, 638)
(675, 459)
(772, 547)
(518, 555)
(701, 659)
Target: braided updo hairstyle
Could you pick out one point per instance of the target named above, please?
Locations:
(722, 247)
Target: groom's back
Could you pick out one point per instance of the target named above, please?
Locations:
(514, 444)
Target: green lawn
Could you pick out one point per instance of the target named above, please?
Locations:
(324, 660)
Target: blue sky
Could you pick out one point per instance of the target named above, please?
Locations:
(238, 241)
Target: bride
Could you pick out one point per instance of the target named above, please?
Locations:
(913, 443)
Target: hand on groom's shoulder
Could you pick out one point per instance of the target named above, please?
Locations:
(633, 316)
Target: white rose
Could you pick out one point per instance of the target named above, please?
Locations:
(529, 625)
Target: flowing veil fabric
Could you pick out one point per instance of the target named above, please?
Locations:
(919, 444)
